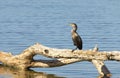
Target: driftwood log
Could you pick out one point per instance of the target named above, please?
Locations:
(61, 57)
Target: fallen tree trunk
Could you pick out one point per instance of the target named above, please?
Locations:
(62, 57)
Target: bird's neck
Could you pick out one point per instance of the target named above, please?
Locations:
(73, 31)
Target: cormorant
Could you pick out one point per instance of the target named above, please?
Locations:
(77, 41)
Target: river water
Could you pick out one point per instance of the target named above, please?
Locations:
(25, 22)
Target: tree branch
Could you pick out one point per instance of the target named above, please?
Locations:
(53, 63)
(61, 57)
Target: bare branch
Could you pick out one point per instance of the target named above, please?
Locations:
(61, 57)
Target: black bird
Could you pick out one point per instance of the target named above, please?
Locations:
(75, 37)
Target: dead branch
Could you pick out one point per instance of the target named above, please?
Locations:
(61, 57)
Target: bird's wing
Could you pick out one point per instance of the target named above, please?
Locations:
(74, 41)
(76, 38)
(78, 41)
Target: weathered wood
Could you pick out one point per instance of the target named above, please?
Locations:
(100, 66)
(61, 57)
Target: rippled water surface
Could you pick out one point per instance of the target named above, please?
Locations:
(25, 22)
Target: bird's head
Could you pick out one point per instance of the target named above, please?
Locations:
(74, 26)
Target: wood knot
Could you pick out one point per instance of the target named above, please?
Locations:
(46, 51)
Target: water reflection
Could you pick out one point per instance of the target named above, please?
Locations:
(6, 72)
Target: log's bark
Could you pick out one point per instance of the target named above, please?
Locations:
(59, 57)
